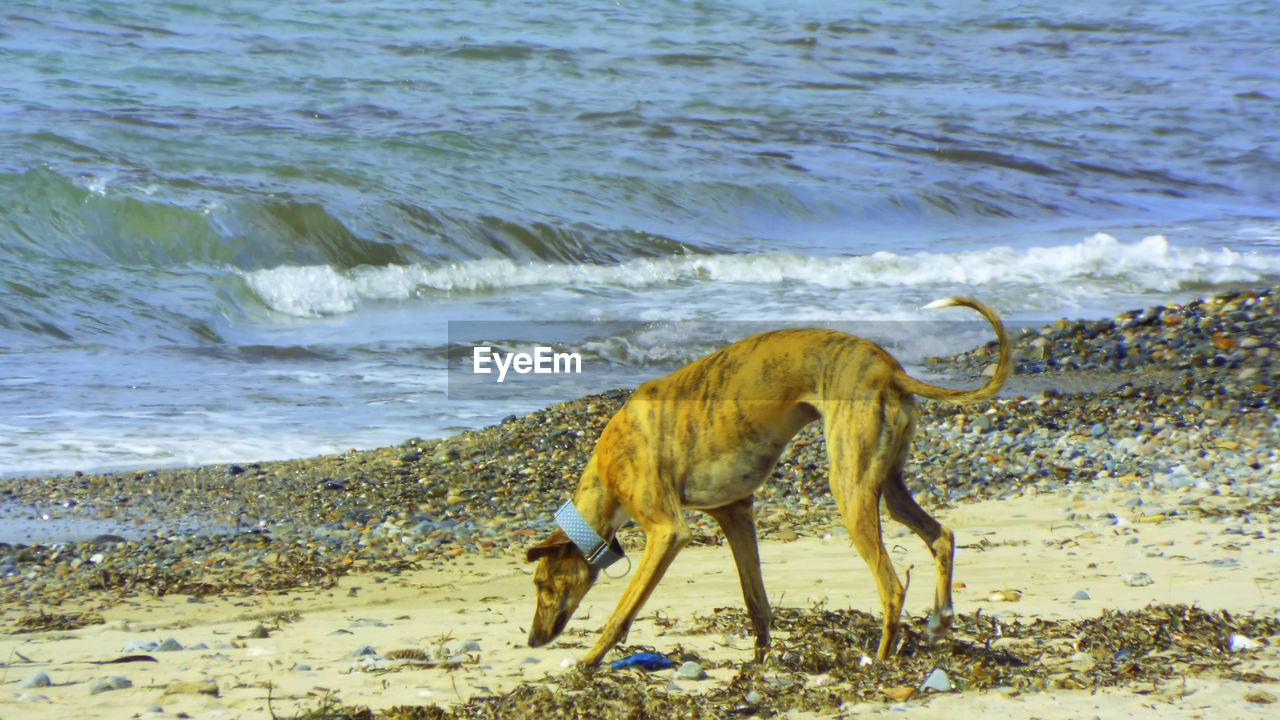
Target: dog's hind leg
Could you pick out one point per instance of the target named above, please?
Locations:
(862, 451)
(737, 520)
(941, 542)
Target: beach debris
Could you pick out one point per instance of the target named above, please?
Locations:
(43, 622)
(192, 687)
(899, 693)
(1259, 697)
(644, 660)
(1006, 595)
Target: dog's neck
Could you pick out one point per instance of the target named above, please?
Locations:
(597, 505)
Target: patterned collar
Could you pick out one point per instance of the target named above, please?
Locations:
(600, 554)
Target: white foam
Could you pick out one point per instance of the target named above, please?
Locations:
(306, 291)
(1099, 264)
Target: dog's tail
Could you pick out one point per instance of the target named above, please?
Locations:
(1003, 366)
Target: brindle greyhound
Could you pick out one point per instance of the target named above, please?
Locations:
(707, 435)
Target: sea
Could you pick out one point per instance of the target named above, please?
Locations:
(245, 230)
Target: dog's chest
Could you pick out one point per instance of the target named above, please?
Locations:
(720, 481)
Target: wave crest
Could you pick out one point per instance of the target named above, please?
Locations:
(1100, 263)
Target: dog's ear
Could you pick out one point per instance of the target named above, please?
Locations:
(547, 547)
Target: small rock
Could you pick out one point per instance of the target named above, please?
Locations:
(470, 646)
(193, 687)
(169, 645)
(822, 680)
(300, 667)
(362, 651)
(690, 670)
(1238, 643)
(115, 682)
(37, 679)
(1140, 579)
(938, 682)
(1080, 595)
(753, 698)
(140, 646)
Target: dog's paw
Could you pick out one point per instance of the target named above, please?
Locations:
(939, 623)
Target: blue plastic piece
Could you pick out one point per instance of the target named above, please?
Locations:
(645, 660)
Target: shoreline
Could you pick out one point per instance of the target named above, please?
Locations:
(1182, 447)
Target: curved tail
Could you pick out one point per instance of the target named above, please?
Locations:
(1003, 367)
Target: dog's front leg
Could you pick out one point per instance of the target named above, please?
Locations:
(661, 547)
(737, 520)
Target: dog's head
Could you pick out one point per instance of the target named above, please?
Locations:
(562, 578)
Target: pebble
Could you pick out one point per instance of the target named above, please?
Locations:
(140, 646)
(169, 645)
(115, 682)
(1238, 643)
(690, 670)
(937, 682)
(362, 651)
(1139, 579)
(1080, 595)
(37, 679)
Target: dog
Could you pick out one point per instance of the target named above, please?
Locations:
(706, 436)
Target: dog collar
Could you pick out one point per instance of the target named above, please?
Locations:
(600, 554)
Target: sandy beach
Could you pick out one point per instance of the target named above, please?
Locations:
(1076, 513)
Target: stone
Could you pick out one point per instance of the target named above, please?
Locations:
(1139, 579)
(937, 682)
(1238, 643)
(37, 679)
(169, 645)
(690, 670)
(116, 682)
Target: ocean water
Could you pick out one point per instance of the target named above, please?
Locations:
(242, 230)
